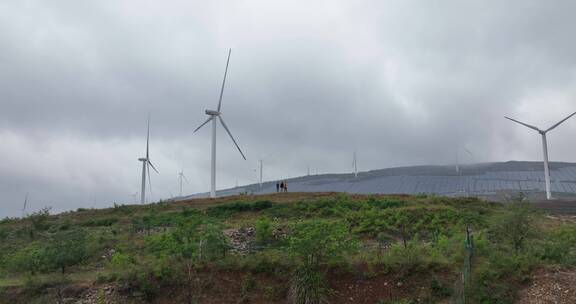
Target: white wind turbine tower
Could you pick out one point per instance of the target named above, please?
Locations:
(355, 165)
(261, 163)
(214, 116)
(181, 176)
(146, 164)
(544, 148)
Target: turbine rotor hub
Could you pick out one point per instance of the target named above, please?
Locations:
(212, 112)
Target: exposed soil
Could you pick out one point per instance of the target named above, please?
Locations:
(236, 287)
(550, 286)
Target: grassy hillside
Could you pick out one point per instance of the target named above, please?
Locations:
(283, 248)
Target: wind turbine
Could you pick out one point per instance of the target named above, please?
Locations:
(544, 148)
(214, 116)
(25, 203)
(182, 176)
(355, 165)
(261, 162)
(146, 164)
(458, 169)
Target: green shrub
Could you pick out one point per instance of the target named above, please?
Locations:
(498, 278)
(121, 261)
(30, 259)
(315, 243)
(415, 257)
(104, 222)
(227, 210)
(515, 226)
(559, 246)
(163, 269)
(385, 203)
(263, 229)
(4, 233)
(308, 286)
(39, 221)
(66, 248)
(318, 242)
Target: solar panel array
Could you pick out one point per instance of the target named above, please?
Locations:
(492, 179)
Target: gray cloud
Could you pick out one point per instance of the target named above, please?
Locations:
(402, 82)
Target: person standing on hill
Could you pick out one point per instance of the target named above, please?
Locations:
(285, 186)
(277, 187)
(282, 186)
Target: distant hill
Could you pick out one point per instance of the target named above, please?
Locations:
(493, 180)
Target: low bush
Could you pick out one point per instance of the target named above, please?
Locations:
(227, 210)
(263, 229)
(413, 258)
(497, 279)
(559, 246)
(104, 222)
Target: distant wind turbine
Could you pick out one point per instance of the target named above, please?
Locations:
(182, 176)
(146, 164)
(544, 148)
(25, 204)
(261, 163)
(217, 115)
(458, 158)
(355, 165)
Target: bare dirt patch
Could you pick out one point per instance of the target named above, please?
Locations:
(550, 286)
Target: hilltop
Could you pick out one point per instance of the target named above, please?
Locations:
(289, 247)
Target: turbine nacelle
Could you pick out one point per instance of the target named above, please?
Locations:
(212, 113)
(142, 159)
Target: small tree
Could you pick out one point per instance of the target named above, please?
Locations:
(313, 244)
(39, 221)
(29, 259)
(193, 242)
(516, 225)
(67, 248)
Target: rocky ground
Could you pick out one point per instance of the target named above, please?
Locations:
(550, 286)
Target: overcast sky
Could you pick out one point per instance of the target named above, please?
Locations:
(402, 82)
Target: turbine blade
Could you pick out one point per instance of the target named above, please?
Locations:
(25, 202)
(232, 137)
(148, 137)
(224, 81)
(524, 124)
(184, 176)
(150, 163)
(207, 121)
(468, 151)
(563, 120)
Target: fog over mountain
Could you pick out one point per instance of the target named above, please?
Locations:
(402, 82)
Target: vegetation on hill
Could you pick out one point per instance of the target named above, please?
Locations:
(299, 248)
